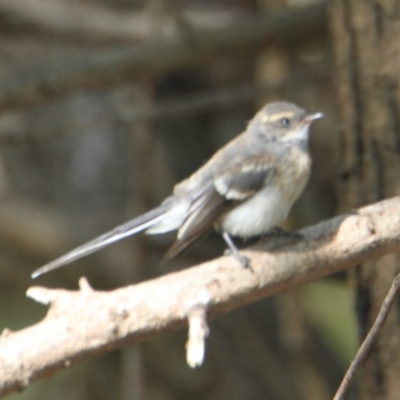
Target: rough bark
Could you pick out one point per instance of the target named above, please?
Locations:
(366, 42)
(86, 323)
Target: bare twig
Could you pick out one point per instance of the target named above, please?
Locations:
(368, 341)
(103, 23)
(86, 323)
(33, 84)
(198, 330)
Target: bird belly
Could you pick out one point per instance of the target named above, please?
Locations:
(258, 215)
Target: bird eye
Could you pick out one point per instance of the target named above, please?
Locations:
(285, 122)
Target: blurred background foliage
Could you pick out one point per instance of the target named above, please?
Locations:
(104, 106)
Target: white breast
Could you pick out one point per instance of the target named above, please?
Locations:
(258, 215)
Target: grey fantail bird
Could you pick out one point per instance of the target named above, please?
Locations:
(246, 189)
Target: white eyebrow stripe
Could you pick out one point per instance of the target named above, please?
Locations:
(277, 116)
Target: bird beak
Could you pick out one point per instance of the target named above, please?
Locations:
(312, 117)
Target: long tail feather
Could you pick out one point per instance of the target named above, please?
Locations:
(120, 232)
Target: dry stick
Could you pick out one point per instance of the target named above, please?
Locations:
(104, 23)
(368, 341)
(32, 84)
(85, 323)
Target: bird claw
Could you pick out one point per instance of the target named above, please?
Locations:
(243, 260)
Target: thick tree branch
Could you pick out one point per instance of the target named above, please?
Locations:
(32, 84)
(86, 323)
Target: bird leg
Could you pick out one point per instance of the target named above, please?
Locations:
(243, 260)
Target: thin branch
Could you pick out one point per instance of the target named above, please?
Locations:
(85, 323)
(33, 84)
(369, 340)
(104, 23)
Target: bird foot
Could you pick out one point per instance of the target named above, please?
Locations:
(243, 260)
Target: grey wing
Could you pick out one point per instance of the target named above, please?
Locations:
(245, 179)
(202, 215)
(230, 186)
